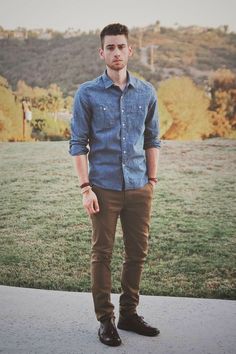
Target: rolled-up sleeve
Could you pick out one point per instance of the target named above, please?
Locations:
(80, 123)
(152, 125)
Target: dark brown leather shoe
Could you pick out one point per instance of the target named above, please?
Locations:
(108, 333)
(137, 324)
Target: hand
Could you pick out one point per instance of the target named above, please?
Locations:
(90, 202)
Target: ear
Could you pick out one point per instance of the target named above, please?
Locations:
(101, 53)
(130, 51)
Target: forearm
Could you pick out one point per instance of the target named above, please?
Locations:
(90, 201)
(152, 158)
(81, 168)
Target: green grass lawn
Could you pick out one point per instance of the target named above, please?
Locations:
(45, 233)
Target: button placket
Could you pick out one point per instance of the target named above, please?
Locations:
(123, 132)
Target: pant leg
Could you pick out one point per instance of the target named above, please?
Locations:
(103, 236)
(135, 220)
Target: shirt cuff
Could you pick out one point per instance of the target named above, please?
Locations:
(77, 149)
(152, 144)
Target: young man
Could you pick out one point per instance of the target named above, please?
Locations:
(115, 123)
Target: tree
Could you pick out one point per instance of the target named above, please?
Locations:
(55, 101)
(4, 82)
(41, 103)
(187, 105)
(223, 97)
(68, 102)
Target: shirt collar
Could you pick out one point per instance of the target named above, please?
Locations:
(108, 82)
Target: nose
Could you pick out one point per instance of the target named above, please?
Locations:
(116, 52)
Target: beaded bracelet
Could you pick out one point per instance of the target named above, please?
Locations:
(154, 179)
(85, 189)
(86, 184)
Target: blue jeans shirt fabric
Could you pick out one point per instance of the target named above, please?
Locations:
(115, 128)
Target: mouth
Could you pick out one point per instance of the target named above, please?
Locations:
(117, 61)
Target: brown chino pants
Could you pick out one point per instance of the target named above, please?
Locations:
(134, 209)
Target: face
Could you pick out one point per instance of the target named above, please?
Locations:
(115, 52)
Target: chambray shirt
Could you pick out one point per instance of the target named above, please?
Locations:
(115, 128)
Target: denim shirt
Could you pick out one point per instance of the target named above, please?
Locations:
(115, 128)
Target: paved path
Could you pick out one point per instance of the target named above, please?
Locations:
(59, 322)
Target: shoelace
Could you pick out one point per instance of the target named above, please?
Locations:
(140, 319)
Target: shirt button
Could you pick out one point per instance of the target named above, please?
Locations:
(123, 124)
(124, 152)
(122, 111)
(123, 138)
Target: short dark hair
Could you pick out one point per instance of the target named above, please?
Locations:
(114, 29)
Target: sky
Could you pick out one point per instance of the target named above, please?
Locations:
(91, 14)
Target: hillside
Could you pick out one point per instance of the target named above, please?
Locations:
(159, 54)
(193, 69)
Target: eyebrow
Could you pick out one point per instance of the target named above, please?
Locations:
(113, 45)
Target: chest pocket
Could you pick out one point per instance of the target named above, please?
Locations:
(103, 117)
(136, 115)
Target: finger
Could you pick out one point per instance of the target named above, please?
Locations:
(96, 205)
(91, 209)
(87, 207)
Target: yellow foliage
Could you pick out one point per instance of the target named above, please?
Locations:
(165, 117)
(223, 91)
(23, 90)
(221, 125)
(11, 113)
(188, 106)
(11, 127)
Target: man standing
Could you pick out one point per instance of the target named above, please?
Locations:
(115, 123)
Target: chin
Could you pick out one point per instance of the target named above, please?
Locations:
(117, 67)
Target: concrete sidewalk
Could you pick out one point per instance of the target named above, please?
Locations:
(42, 321)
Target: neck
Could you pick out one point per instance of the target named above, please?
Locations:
(118, 77)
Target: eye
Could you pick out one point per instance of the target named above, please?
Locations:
(110, 47)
